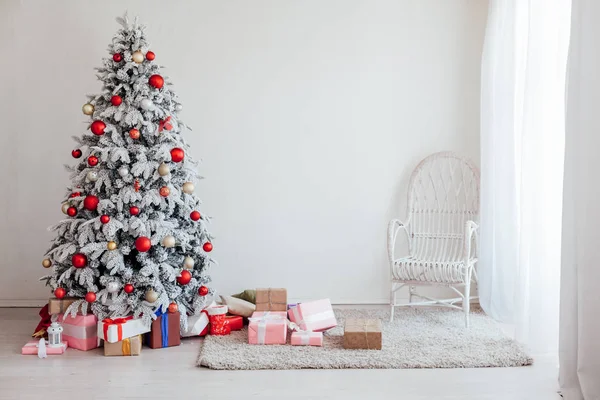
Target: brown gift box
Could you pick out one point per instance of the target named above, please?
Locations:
(56, 306)
(127, 347)
(155, 337)
(271, 299)
(362, 334)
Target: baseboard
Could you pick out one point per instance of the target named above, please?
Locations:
(23, 303)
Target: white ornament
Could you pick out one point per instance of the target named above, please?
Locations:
(188, 188)
(168, 241)
(113, 287)
(65, 207)
(163, 169)
(138, 57)
(188, 262)
(151, 296)
(123, 171)
(147, 104)
(178, 107)
(92, 176)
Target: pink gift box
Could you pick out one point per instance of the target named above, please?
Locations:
(305, 338)
(313, 316)
(268, 327)
(31, 348)
(80, 331)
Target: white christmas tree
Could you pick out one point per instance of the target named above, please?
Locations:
(134, 241)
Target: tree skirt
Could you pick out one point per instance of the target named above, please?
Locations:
(418, 338)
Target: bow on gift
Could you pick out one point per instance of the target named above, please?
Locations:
(108, 322)
(165, 124)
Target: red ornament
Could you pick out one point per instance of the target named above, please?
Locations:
(164, 191)
(150, 56)
(165, 124)
(75, 194)
(90, 297)
(143, 244)
(104, 219)
(59, 293)
(156, 81)
(177, 154)
(117, 57)
(116, 100)
(134, 134)
(128, 288)
(195, 215)
(98, 127)
(92, 161)
(207, 247)
(76, 153)
(133, 210)
(202, 290)
(79, 260)
(71, 211)
(173, 308)
(185, 277)
(136, 185)
(91, 202)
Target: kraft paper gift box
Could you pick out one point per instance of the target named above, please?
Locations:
(56, 306)
(313, 315)
(271, 299)
(305, 338)
(269, 327)
(80, 332)
(127, 347)
(362, 334)
(31, 348)
(164, 331)
(114, 330)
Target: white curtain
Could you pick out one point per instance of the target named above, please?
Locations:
(522, 143)
(580, 280)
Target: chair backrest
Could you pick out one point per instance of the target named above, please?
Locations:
(443, 194)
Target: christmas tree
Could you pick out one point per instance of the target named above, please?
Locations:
(134, 240)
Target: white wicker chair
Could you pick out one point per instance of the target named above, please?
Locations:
(441, 227)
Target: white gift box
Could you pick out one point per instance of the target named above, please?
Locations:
(196, 324)
(117, 329)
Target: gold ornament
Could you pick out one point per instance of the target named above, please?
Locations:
(168, 241)
(88, 109)
(138, 57)
(188, 188)
(65, 207)
(46, 263)
(111, 245)
(163, 169)
(188, 263)
(151, 296)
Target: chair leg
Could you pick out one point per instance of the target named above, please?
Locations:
(467, 302)
(412, 290)
(392, 302)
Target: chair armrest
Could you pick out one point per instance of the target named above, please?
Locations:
(393, 228)
(471, 229)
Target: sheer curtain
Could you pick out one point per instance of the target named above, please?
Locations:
(522, 144)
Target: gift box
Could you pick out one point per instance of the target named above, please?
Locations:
(313, 315)
(362, 334)
(114, 330)
(80, 331)
(271, 299)
(236, 323)
(291, 306)
(197, 325)
(127, 347)
(306, 338)
(59, 306)
(164, 331)
(268, 327)
(32, 347)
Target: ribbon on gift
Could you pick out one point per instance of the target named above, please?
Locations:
(164, 327)
(364, 327)
(107, 322)
(165, 124)
(304, 337)
(309, 319)
(262, 321)
(126, 347)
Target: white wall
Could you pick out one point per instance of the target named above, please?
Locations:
(308, 115)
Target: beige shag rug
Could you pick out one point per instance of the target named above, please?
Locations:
(418, 338)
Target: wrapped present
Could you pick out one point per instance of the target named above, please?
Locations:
(127, 347)
(306, 338)
(268, 327)
(197, 325)
(271, 299)
(362, 334)
(33, 348)
(80, 332)
(114, 330)
(236, 323)
(313, 315)
(291, 306)
(164, 331)
(59, 306)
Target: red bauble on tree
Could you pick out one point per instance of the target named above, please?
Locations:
(104, 219)
(59, 293)
(75, 194)
(195, 215)
(164, 191)
(92, 161)
(143, 244)
(150, 56)
(156, 81)
(207, 247)
(98, 127)
(185, 277)
(71, 211)
(173, 308)
(202, 290)
(128, 288)
(116, 100)
(134, 134)
(90, 297)
(79, 260)
(133, 210)
(177, 154)
(117, 57)
(91, 202)
(76, 153)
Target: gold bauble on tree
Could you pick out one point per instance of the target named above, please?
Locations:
(88, 109)
(168, 241)
(65, 207)
(188, 188)
(46, 263)
(138, 57)
(111, 245)
(188, 262)
(151, 296)
(163, 169)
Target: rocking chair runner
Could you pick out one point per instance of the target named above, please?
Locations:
(443, 211)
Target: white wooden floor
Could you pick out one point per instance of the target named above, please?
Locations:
(171, 374)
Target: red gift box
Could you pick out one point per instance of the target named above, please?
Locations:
(236, 322)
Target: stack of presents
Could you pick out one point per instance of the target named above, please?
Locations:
(266, 311)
